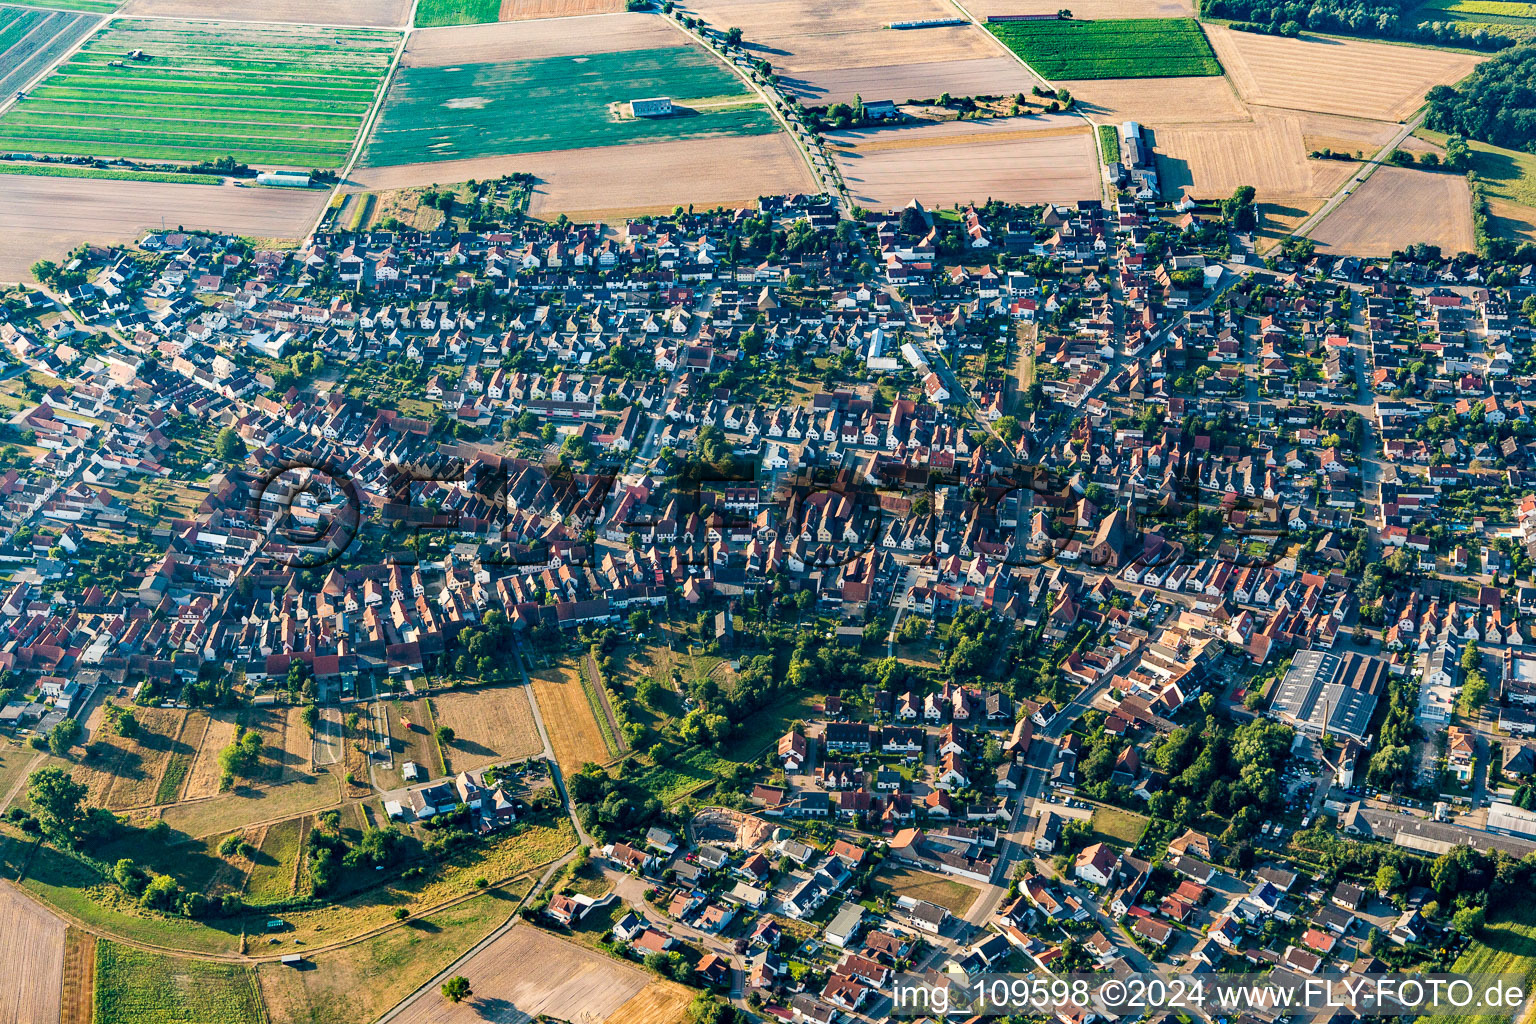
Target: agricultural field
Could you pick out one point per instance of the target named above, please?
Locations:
(134, 986)
(1050, 158)
(31, 40)
(1092, 10)
(554, 103)
(924, 885)
(660, 1002)
(86, 6)
(357, 983)
(523, 10)
(218, 732)
(79, 969)
(1269, 153)
(32, 949)
(1508, 178)
(491, 723)
(1335, 76)
(1396, 207)
(1506, 945)
(828, 53)
(1507, 17)
(436, 13)
(45, 217)
(1121, 48)
(249, 805)
(266, 94)
(1157, 101)
(573, 983)
(573, 731)
(378, 13)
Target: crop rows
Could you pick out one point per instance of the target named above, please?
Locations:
(1124, 48)
(262, 94)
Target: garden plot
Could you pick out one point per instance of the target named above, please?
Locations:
(1023, 160)
(1337, 76)
(287, 95)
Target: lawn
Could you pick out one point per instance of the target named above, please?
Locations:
(533, 106)
(924, 885)
(135, 986)
(359, 982)
(1116, 826)
(432, 13)
(268, 94)
(1120, 48)
(272, 870)
(1507, 945)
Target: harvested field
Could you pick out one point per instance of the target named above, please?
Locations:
(46, 217)
(1157, 101)
(286, 743)
(1118, 48)
(219, 732)
(1278, 221)
(135, 986)
(924, 885)
(79, 977)
(1040, 159)
(1512, 220)
(371, 13)
(660, 1002)
(356, 984)
(1269, 153)
(573, 732)
(1508, 178)
(286, 95)
(484, 44)
(570, 983)
(986, 76)
(1397, 207)
(520, 10)
(30, 42)
(32, 949)
(1351, 77)
(813, 46)
(492, 723)
(552, 103)
(652, 178)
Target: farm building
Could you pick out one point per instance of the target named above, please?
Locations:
(284, 179)
(1136, 158)
(656, 106)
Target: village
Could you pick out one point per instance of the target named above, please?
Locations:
(1074, 590)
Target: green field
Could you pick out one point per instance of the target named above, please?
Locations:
(1507, 175)
(431, 13)
(268, 94)
(1507, 945)
(555, 103)
(86, 6)
(1511, 16)
(1109, 142)
(1121, 48)
(272, 868)
(134, 986)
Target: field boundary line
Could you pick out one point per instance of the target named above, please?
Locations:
(600, 694)
(6, 103)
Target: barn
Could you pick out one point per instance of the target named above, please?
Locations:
(656, 106)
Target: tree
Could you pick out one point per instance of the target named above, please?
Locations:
(444, 735)
(1468, 921)
(1388, 879)
(1008, 429)
(63, 736)
(1238, 210)
(456, 989)
(229, 446)
(58, 802)
(733, 36)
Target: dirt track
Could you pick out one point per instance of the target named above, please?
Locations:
(43, 218)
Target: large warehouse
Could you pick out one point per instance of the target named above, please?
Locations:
(1330, 693)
